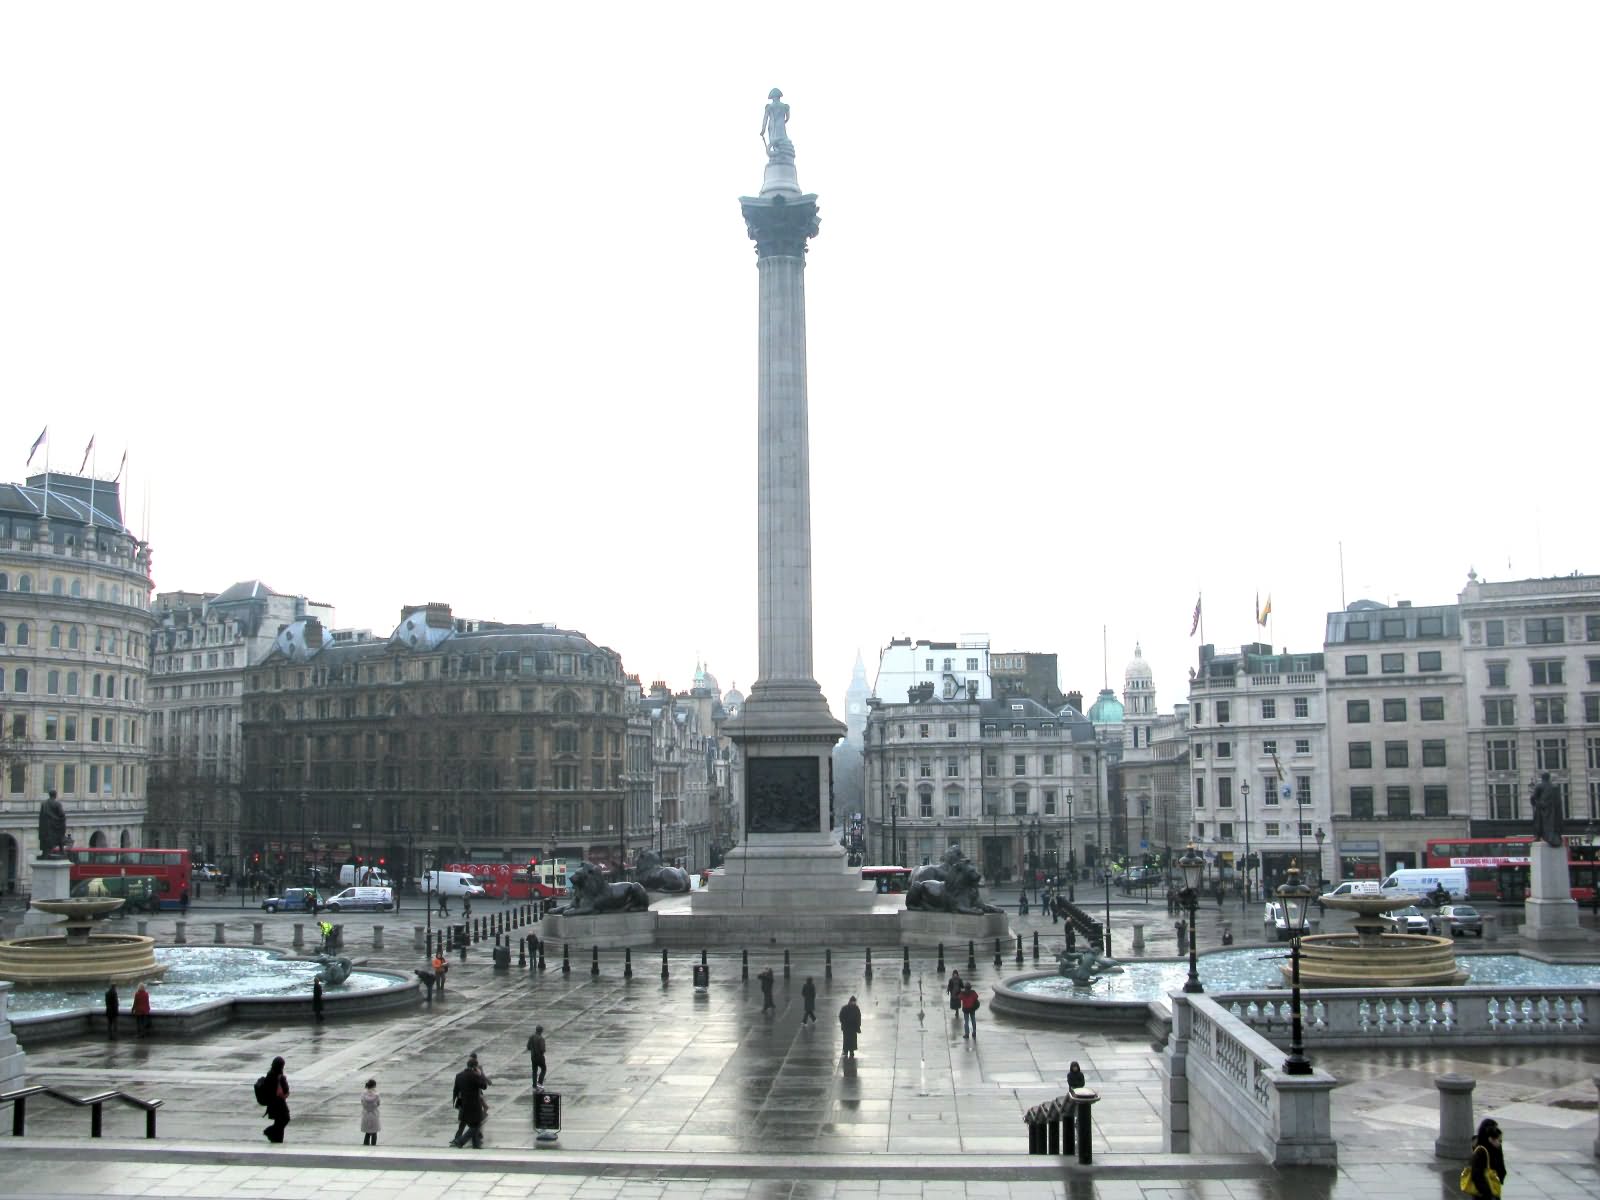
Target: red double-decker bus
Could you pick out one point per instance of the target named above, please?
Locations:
(169, 868)
(1498, 868)
(512, 881)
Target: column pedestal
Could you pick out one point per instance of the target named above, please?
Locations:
(1551, 914)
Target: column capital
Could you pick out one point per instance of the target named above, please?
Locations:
(780, 227)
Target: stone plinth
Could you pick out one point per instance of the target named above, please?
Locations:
(51, 881)
(604, 931)
(13, 1062)
(953, 929)
(1550, 914)
(781, 873)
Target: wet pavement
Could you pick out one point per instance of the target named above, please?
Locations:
(667, 1092)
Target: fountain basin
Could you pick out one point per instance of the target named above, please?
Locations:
(98, 958)
(1341, 960)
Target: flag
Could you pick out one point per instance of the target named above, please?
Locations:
(1263, 613)
(120, 465)
(87, 450)
(1196, 623)
(37, 442)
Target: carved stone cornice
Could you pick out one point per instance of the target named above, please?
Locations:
(780, 227)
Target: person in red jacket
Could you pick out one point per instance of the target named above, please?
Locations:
(969, 1011)
(141, 1012)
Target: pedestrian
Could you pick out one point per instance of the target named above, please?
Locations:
(765, 976)
(326, 929)
(112, 1003)
(1075, 1080)
(440, 966)
(969, 1011)
(444, 905)
(370, 1124)
(1486, 1172)
(850, 1026)
(1022, 905)
(316, 997)
(536, 1046)
(183, 899)
(953, 986)
(808, 994)
(141, 1012)
(273, 1091)
(467, 1096)
(466, 908)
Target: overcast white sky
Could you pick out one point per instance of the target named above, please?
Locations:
(1112, 304)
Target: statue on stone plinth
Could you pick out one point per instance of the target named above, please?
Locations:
(775, 121)
(956, 893)
(52, 827)
(1547, 814)
(592, 895)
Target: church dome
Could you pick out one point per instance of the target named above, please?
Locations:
(1107, 710)
(1137, 668)
(733, 699)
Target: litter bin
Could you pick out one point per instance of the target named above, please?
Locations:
(458, 935)
(702, 977)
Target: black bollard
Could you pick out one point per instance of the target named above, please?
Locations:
(594, 960)
(1019, 949)
(972, 956)
(566, 960)
(1035, 945)
(541, 954)
(869, 962)
(663, 966)
(1072, 938)
(827, 963)
(627, 964)
(997, 961)
(744, 964)
(905, 961)
(941, 958)
(522, 952)
(786, 964)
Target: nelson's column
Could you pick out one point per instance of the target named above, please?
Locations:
(788, 862)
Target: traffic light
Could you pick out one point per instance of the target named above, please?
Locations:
(381, 861)
(358, 860)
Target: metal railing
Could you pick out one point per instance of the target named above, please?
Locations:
(95, 1103)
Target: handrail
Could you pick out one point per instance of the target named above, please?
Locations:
(19, 1098)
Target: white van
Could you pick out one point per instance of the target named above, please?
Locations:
(351, 875)
(1423, 882)
(361, 899)
(450, 883)
(1354, 887)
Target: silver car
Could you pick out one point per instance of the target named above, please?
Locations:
(1461, 918)
(1409, 919)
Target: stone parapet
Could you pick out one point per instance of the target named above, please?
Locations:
(603, 931)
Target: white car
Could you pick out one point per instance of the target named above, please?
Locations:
(1409, 919)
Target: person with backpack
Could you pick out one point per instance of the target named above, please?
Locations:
(536, 1048)
(969, 1010)
(272, 1093)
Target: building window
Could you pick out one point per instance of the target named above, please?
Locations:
(1358, 631)
(1544, 631)
(1225, 831)
(1396, 754)
(1019, 802)
(1270, 748)
(1497, 674)
(1269, 710)
(1088, 766)
(925, 803)
(1269, 792)
(1548, 672)
(1199, 791)
(991, 764)
(1199, 753)
(1199, 712)
(924, 768)
(1361, 803)
(1355, 664)
(990, 730)
(1550, 754)
(972, 664)
(924, 730)
(1272, 829)
(1503, 805)
(1430, 660)
(1435, 800)
(1501, 754)
(1019, 764)
(1302, 745)
(1549, 710)
(1360, 755)
(1393, 628)
(1432, 708)
(952, 804)
(1494, 633)
(1302, 789)
(1019, 731)
(1224, 749)
(1399, 801)
(1591, 710)
(1222, 712)
(1433, 753)
(1357, 712)
(950, 730)
(1393, 664)
(1049, 802)
(1049, 765)
(1500, 712)
(1225, 791)
(1394, 709)
(1302, 706)
(952, 767)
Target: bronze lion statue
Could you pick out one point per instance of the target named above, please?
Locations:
(591, 894)
(941, 869)
(956, 893)
(655, 876)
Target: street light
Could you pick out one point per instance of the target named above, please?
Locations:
(427, 868)
(1193, 867)
(1244, 790)
(1321, 833)
(1296, 899)
(1072, 859)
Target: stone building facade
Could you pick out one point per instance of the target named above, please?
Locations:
(473, 740)
(74, 630)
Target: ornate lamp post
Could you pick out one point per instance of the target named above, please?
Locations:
(1244, 790)
(1296, 899)
(1321, 833)
(1193, 867)
(427, 868)
(1072, 855)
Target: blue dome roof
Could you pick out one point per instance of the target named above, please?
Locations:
(1107, 710)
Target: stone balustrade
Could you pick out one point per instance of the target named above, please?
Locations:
(1226, 1092)
(1343, 1017)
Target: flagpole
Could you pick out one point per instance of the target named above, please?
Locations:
(94, 465)
(46, 516)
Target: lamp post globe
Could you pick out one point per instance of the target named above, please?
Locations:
(1295, 897)
(1192, 866)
